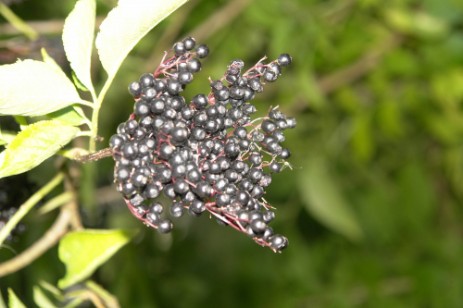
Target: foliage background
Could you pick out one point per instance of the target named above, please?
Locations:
(377, 89)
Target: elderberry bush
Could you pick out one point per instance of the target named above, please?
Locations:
(206, 154)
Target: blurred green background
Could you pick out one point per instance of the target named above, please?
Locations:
(373, 206)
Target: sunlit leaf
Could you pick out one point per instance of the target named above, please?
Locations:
(78, 33)
(125, 25)
(6, 137)
(21, 120)
(33, 88)
(79, 85)
(33, 145)
(71, 115)
(2, 302)
(13, 300)
(50, 61)
(84, 251)
(41, 300)
(447, 86)
(324, 200)
(416, 23)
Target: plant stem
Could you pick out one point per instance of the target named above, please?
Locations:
(28, 205)
(48, 240)
(17, 22)
(96, 111)
(56, 202)
(106, 152)
(85, 103)
(109, 299)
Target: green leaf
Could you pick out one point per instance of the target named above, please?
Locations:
(17, 22)
(71, 115)
(79, 85)
(125, 25)
(325, 202)
(78, 33)
(417, 23)
(33, 88)
(6, 137)
(22, 121)
(33, 145)
(2, 303)
(41, 299)
(84, 251)
(362, 136)
(51, 289)
(447, 86)
(444, 128)
(13, 300)
(310, 89)
(49, 60)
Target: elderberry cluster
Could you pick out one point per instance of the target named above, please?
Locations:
(204, 154)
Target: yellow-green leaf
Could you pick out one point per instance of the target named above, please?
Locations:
(41, 300)
(324, 200)
(83, 252)
(125, 25)
(33, 88)
(6, 137)
(417, 23)
(13, 300)
(72, 115)
(33, 145)
(78, 35)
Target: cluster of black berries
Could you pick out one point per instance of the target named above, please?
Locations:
(205, 154)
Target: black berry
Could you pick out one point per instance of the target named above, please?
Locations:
(204, 154)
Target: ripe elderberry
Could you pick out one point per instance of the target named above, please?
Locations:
(206, 153)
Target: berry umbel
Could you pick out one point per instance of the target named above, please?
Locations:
(206, 154)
